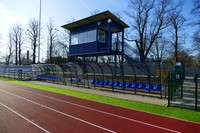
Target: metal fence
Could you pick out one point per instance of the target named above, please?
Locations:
(184, 93)
(73, 74)
(31, 72)
(16, 72)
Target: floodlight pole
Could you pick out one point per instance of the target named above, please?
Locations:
(39, 32)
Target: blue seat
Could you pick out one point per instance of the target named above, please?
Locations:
(144, 86)
(98, 82)
(131, 85)
(138, 85)
(119, 84)
(53, 78)
(39, 76)
(45, 77)
(113, 83)
(103, 82)
(108, 82)
(56, 78)
(125, 85)
(160, 87)
(93, 81)
(59, 78)
(152, 87)
(79, 80)
(71, 79)
(50, 77)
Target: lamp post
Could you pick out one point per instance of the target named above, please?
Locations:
(39, 32)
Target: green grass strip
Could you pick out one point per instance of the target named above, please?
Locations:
(184, 114)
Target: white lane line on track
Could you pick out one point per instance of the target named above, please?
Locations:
(44, 106)
(107, 113)
(24, 118)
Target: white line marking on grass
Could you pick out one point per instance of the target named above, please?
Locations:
(44, 106)
(24, 118)
(96, 110)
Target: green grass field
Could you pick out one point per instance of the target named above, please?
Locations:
(156, 109)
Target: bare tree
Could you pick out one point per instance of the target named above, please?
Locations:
(160, 49)
(196, 11)
(196, 41)
(148, 20)
(18, 39)
(64, 42)
(177, 21)
(33, 34)
(196, 61)
(10, 48)
(51, 38)
(196, 36)
(94, 12)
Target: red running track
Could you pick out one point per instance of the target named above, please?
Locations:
(24, 109)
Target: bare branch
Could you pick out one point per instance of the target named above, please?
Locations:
(149, 19)
(18, 39)
(177, 22)
(33, 34)
(51, 38)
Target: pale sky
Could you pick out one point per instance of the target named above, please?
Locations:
(61, 11)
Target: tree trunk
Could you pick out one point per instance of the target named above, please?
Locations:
(20, 60)
(16, 54)
(50, 52)
(34, 54)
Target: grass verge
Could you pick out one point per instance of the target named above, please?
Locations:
(161, 110)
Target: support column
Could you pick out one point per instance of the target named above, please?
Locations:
(109, 37)
(115, 72)
(84, 69)
(96, 59)
(123, 55)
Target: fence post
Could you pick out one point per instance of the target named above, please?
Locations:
(169, 89)
(181, 82)
(160, 75)
(196, 86)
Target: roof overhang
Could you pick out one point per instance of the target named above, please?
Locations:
(95, 18)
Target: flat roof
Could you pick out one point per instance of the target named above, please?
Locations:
(93, 19)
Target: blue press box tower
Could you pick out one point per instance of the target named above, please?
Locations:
(97, 35)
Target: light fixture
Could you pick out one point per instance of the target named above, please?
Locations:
(109, 20)
(99, 22)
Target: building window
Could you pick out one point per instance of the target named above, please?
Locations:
(91, 36)
(85, 37)
(101, 36)
(82, 37)
(74, 39)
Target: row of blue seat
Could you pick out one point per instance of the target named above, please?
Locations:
(73, 79)
(49, 77)
(131, 85)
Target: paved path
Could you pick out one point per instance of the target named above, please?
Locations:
(140, 98)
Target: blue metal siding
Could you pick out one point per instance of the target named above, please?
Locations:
(102, 46)
(88, 48)
(85, 48)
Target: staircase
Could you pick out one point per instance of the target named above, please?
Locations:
(143, 67)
